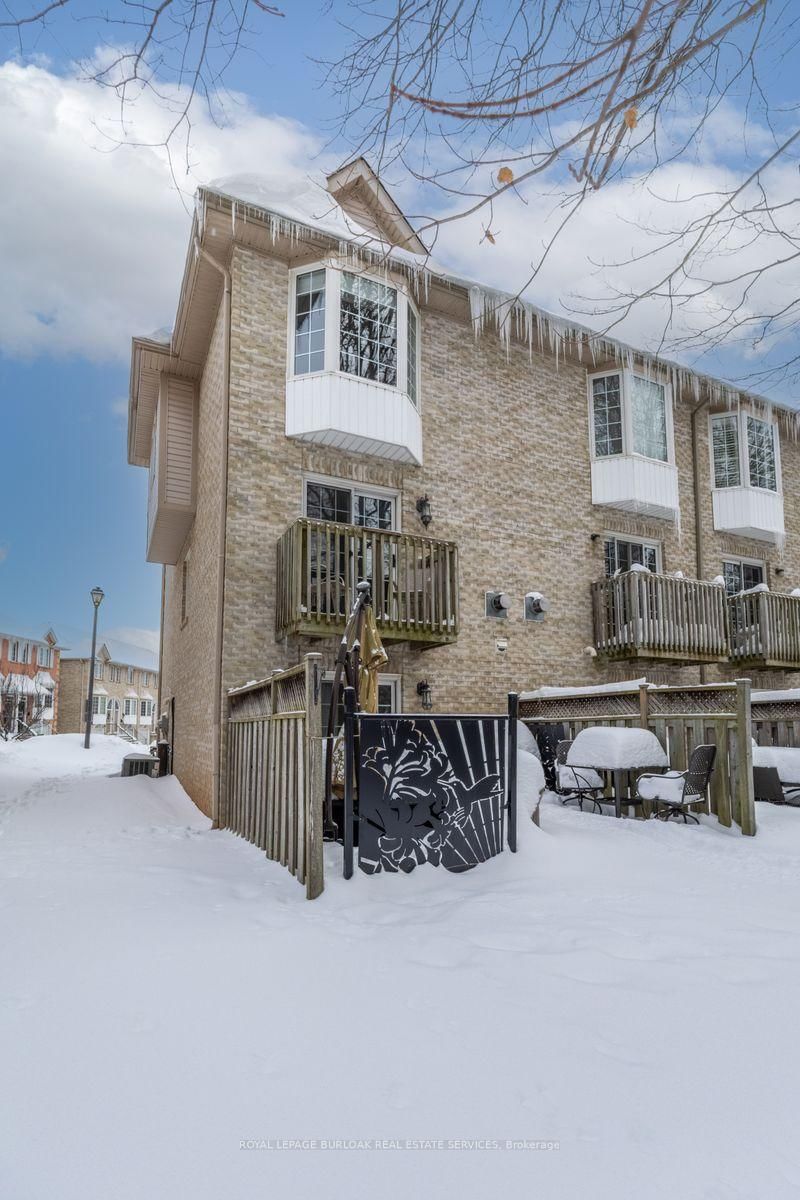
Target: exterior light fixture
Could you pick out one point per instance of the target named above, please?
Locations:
(424, 693)
(594, 537)
(97, 599)
(424, 510)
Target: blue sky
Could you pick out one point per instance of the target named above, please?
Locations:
(92, 241)
(78, 517)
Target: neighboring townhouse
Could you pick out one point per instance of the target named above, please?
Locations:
(533, 504)
(29, 676)
(124, 699)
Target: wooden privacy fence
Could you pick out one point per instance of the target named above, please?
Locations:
(274, 768)
(776, 718)
(681, 718)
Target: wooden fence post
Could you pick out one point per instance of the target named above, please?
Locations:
(745, 800)
(644, 706)
(313, 777)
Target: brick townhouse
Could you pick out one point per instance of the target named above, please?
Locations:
(532, 503)
(125, 694)
(29, 677)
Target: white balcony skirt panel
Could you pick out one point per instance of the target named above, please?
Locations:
(636, 485)
(145, 720)
(750, 512)
(129, 719)
(354, 414)
(99, 719)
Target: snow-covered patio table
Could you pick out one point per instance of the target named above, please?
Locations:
(786, 761)
(617, 750)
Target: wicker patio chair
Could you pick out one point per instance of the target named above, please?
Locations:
(576, 783)
(673, 792)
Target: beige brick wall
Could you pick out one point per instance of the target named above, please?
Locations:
(74, 686)
(188, 655)
(507, 469)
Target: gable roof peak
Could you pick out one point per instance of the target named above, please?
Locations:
(360, 194)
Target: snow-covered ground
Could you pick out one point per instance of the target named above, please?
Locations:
(173, 1012)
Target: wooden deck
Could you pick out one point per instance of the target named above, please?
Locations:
(765, 629)
(640, 615)
(414, 581)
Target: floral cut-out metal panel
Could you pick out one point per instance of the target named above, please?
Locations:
(430, 790)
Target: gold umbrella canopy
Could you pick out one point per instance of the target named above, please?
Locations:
(373, 658)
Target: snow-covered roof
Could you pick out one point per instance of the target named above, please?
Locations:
(595, 689)
(22, 685)
(120, 653)
(45, 680)
(296, 206)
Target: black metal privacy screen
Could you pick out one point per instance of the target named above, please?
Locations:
(433, 789)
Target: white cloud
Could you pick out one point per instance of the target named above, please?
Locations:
(92, 234)
(133, 638)
(3, 553)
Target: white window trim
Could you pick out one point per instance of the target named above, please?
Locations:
(609, 534)
(627, 416)
(743, 561)
(744, 457)
(333, 271)
(356, 488)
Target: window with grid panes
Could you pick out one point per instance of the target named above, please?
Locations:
(368, 329)
(620, 555)
(309, 323)
(607, 415)
(761, 453)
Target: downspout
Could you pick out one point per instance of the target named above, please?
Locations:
(698, 518)
(216, 730)
(160, 691)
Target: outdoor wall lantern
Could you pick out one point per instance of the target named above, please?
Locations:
(536, 606)
(424, 510)
(497, 604)
(424, 693)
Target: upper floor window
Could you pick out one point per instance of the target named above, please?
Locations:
(98, 670)
(368, 329)
(99, 706)
(130, 706)
(131, 674)
(44, 656)
(629, 416)
(116, 674)
(347, 321)
(146, 708)
(744, 449)
(309, 322)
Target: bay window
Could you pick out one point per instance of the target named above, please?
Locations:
(352, 323)
(630, 415)
(744, 452)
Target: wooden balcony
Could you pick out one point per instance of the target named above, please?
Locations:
(647, 616)
(765, 630)
(414, 582)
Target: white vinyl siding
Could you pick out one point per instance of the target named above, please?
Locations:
(180, 438)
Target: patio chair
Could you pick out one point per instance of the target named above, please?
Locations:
(767, 785)
(576, 783)
(674, 791)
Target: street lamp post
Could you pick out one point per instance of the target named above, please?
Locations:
(97, 597)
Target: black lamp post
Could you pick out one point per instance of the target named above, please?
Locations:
(97, 597)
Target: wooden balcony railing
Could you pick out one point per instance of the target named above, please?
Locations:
(765, 629)
(642, 615)
(414, 581)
